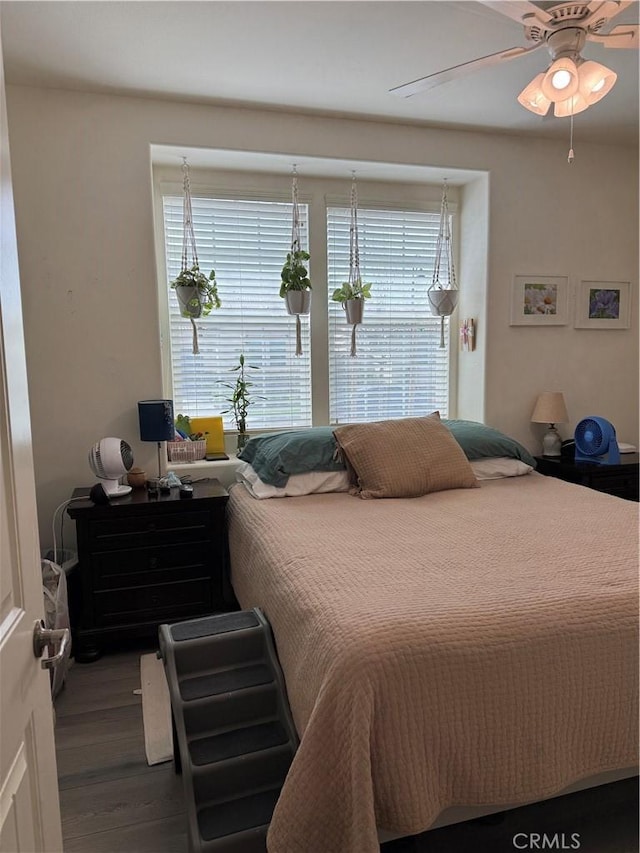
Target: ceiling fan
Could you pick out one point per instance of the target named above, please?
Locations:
(571, 82)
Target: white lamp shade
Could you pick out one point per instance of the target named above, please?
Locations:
(595, 81)
(532, 97)
(560, 80)
(571, 107)
(550, 408)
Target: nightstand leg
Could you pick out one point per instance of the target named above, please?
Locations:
(87, 651)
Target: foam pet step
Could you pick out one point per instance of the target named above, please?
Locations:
(234, 731)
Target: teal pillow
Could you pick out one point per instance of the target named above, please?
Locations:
(278, 455)
(479, 441)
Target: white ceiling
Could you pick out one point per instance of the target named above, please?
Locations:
(334, 57)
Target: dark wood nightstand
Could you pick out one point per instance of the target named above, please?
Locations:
(144, 561)
(620, 480)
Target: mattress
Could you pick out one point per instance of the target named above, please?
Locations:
(471, 647)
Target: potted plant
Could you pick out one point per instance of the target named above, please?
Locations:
(351, 296)
(443, 300)
(240, 399)
(295, 286)
(352, 293)
(197, 293)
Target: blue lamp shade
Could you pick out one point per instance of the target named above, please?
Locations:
(156, 420)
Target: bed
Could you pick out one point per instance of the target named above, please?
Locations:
(469, 647)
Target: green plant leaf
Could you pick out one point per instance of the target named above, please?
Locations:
(294, 274)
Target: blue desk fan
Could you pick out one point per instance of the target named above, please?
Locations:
(596, 442)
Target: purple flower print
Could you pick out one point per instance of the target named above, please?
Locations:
(604, 304)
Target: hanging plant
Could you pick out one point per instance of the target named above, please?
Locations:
(443, 300)
(295, 286)
(197, 293)
(204, 297)
(351, 294)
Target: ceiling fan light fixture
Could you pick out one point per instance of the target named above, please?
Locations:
(561, 80)
(570, 107)
(532, 97)
(596, 81)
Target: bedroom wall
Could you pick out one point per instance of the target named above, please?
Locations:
(474, 262)
(82, 181)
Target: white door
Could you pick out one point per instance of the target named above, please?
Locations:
(29, 808)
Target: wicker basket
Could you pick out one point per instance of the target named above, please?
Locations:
(186, 451)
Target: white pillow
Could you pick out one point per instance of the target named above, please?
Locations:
(496, 467)
(313, 482)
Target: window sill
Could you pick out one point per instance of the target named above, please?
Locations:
(223, 470)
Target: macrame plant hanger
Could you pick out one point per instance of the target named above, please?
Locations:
(443, 300)
(355, 278)
(189, 241)
(295, 245)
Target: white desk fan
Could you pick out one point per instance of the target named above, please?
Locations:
(109, 459)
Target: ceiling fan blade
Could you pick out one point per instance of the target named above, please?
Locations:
(624, 35)
(518, 10)
(603, 9)
(406, 90)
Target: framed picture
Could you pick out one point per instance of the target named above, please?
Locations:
(603, 305)
(539, 300)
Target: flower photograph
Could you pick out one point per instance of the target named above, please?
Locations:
(604, 304)
(540, 298)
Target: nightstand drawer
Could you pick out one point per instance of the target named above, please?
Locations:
(146, 603)
(140, 566)
(622, 487)
(137, 532)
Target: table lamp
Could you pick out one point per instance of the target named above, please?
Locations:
(156, 423)
(550, 409)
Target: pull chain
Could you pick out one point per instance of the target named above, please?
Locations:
(571, 156)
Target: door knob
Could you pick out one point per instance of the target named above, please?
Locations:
(56, 639)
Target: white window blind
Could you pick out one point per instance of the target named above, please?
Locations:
(400, 370)
(246, 242)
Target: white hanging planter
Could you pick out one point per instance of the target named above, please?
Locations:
(354, 309)
(442, 302)
(298, 301)
(295, 286)
(352, 293)
(190, 301)
(197, 293)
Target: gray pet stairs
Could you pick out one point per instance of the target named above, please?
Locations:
(234, 737)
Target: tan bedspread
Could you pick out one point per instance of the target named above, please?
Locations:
(468, 647)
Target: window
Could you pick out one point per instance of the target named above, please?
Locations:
(400, 370)
(246, 242)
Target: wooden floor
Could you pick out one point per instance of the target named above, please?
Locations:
(113, 802)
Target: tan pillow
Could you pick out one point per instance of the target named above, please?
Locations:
(404, 458)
